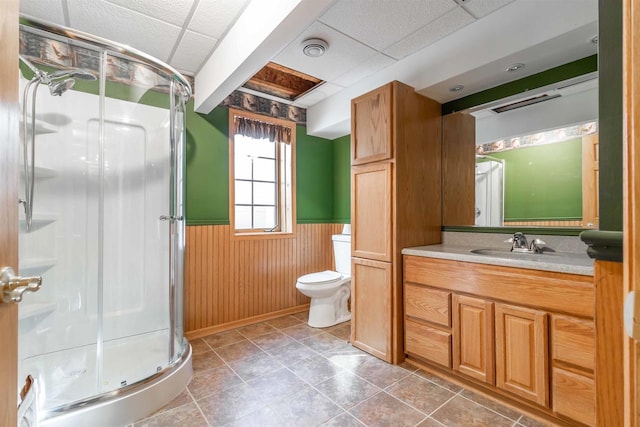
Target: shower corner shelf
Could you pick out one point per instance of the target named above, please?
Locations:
(35, 266)
(32, 310)
(39, 221)
(43, 127)
(42, 173)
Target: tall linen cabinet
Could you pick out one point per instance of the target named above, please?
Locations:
(395, 203)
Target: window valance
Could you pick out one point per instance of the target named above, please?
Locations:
(262, 130)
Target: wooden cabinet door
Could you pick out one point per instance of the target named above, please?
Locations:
(371, 126)
(371, 217)
(522, 352)
(473, 346)
(371, 308)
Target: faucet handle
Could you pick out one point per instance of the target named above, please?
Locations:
(535, 246)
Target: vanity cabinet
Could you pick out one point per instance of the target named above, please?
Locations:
(473, 337)
(527, 335)
(395, 203)
(573, 362)
(521, 352)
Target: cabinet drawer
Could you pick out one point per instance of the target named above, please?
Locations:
(573, 341)
(428, 304)
(574, 396)
(428, 343)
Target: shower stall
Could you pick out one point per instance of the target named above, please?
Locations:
(101, 221)
(489, 191)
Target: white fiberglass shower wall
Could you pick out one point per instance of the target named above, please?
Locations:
(107, 229)
(489, 192)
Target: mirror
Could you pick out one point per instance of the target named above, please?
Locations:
(536, 159)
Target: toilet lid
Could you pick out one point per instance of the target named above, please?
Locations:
(322, 277)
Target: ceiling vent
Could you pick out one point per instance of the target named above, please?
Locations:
(314, 48)
(525, 102)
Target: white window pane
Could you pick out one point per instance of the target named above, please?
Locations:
(264, 217)
(264, 148)
(264, 170)
(264, 193)
(242, 167)
(243, 217)
(241, 146)
(243, 192)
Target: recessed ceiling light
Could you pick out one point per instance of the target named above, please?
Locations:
(594, 39)
(515, 67)
(456, 88)
(314, 47)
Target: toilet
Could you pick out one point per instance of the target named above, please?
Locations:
(330, 290)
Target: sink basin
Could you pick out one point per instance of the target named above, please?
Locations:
(506, 253)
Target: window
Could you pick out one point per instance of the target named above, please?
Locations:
(261, 153)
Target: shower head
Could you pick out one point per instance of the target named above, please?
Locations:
(73, 72)
(58, 88)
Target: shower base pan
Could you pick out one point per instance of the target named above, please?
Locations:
(127, 404)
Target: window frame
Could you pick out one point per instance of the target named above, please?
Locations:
(286, 203)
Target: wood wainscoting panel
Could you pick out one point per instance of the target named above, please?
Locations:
(230, 280)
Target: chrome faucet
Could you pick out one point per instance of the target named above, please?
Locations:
(519, 244)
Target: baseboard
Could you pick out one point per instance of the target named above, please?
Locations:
(199, 333)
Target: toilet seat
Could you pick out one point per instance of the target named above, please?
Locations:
(320, 278)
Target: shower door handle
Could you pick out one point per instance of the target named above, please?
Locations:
(13, 286)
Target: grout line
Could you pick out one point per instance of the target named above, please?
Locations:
(439, 385)
(206, 420)
(492, 410)
(447, 401)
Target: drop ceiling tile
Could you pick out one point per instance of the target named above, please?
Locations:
(480, 8)
(112, 22)
(343, 53)
(172, 11)
(381, 23)
(430, 33)
(213, 17)
(49, 11)
(364, 69)
(192, 51)
(318, 94)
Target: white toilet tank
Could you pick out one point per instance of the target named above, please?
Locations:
(342, 253)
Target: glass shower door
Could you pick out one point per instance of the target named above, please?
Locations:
(58, 325)
(136, 239)
(107, 233)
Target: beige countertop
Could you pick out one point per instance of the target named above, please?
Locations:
(562, 262)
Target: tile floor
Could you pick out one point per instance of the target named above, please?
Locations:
(284, 373)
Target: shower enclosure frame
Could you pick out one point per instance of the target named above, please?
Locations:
(131, 402)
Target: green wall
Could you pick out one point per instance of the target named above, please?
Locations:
(314, 178)
(322, 183)
(543, 182)
(207, 175)
(342, 179)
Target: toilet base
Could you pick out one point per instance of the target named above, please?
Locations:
(330, 311)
